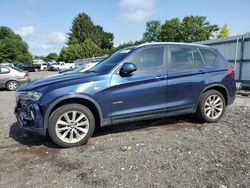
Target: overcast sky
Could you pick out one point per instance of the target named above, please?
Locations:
(43, 24)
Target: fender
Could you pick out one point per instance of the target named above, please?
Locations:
(210, 86)
(48, 111)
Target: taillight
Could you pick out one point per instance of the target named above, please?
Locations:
(231, 72)
(26, 76)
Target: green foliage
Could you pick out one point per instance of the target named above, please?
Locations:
(197, 28)
(77, 51)
(171, 31)
(51, 57)
(190, 29)
(224, 32)
(83, 28)
(152, 31)
(86, 40)
(12, 48)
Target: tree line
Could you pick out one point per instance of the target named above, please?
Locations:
(86, 39)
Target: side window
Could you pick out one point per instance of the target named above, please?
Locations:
(209, 56)
(148, 60)
(184, 58)
(4, 70)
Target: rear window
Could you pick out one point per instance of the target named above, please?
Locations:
(184, 58)
(209, 56)
(4, 70)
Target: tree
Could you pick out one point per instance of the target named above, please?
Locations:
(51, 57)
(224, 32)
(12, 48)
(189, 29)
(83, 28)
(197, 28)
(77, 51)
(86, 39)
(171, 31)
(152, 31)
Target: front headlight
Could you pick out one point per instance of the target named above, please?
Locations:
(28, 95)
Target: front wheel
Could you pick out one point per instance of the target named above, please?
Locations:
(211, 106)
(71, 125)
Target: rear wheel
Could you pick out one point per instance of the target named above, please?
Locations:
(71, 125)
(211, 106)
(12, 85)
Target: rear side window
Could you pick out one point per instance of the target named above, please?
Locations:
(148, 60)
(4, 70)
(184, 58)
(209, 56)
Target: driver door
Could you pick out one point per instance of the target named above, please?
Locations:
(143, 93)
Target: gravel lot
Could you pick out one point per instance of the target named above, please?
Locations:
(170, 152)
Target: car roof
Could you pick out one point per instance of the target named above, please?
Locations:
(171, 43)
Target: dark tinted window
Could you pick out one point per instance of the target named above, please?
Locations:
(148, 60)
(208, 56)
(184, 58)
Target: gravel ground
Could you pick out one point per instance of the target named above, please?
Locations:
(170, 152)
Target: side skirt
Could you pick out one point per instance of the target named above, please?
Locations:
(146, 116)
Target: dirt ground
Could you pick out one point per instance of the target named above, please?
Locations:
(169, 152)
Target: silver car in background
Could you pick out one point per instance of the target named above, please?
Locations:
(11, 77)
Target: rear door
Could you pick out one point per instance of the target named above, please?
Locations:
(144, 92)
(186, 77)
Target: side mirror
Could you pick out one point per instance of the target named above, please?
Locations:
(128, 69)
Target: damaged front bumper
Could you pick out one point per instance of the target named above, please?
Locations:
(30, 116)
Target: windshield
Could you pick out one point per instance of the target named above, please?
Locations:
(108, 64)
(78, 69)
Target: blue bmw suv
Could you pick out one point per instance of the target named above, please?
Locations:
(148, 81)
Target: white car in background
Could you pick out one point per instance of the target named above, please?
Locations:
(43, 66)
(62, 65)
(81, 68)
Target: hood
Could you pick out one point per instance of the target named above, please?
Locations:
(56, 79)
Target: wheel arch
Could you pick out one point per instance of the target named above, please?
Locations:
(79, 99)
(10, 81)
(218, 87)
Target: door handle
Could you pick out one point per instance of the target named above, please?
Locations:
(159, 77)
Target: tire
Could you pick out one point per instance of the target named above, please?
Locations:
(12, 85)
(67, 135)
(208, 103)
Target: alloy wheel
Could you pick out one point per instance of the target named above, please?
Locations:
(213, 106)
(72, 126)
